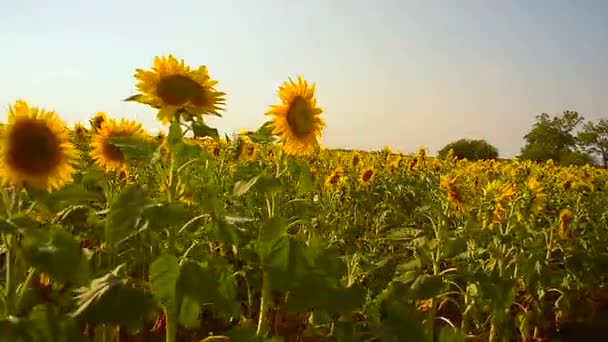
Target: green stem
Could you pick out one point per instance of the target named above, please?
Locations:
(10, 297)
(170, 327)
(25, 287)
(264, 305)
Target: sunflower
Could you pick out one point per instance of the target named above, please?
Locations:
(80, 132)
(335, 178)
(248, 151)
(173, 88)
(297, 119)
(36, 150)
(97, 121)
(107, 155)
(355, 159)
(367, 175)
(450, 185)
(565, 216)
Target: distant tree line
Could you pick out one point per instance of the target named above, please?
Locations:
(567, 139)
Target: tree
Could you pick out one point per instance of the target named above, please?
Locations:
(553, 138)
(593, 138)
(471, 149)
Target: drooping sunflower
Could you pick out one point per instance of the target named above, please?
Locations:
(297, 119)
(173, 87)
(107, 155)
(36, 150)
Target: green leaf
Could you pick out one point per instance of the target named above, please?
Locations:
(46, 323)
(427, 286)
(8, 227)
(454, 247)
(301, 171)
(135, 98)
(449, 334)
(125, 213)
(163, 215)
(243, 186)
(164, 272)
(268, 184)
(272, 243)
(58, 255)
(401, 324)
(110, 300)
(189, 312)
(225, 232)
(134, 148)
(201, 130)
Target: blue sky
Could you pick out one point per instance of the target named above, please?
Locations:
(388, 72)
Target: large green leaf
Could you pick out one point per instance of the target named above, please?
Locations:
(300, 170)
(164, 272)
(201, 130)
(164, 215)
(125, 213)
(427, 286)
(134, 148)
(110, 300)
(453, 247)
(57, 254)
(401, 323)
(272, 245)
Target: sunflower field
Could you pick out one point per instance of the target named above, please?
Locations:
(110, 233)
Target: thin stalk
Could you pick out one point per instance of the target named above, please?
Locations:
(10, 297)
(264, 305)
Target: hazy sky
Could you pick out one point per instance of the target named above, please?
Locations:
(399, 73)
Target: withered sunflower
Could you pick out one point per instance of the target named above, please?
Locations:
(297, 119)
(174, 88)
(107, 155)
(36, 150)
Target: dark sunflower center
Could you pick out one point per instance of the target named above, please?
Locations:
(33, 148)
(113, 153)
(176, 90)
(334, 179)
(299, 117)
(97, 122)
(367, 175)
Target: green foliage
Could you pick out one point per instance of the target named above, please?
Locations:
(553, 138)
(469, 149)
(593, 138)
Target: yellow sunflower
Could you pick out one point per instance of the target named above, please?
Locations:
(297, 119)
(174, 88)
(248, 151)
(335, 178)
(36, 150)
(367, 175)
(97, 121)
(107, 155)
(80, 132)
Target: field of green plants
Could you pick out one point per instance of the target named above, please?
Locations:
(111, 233)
